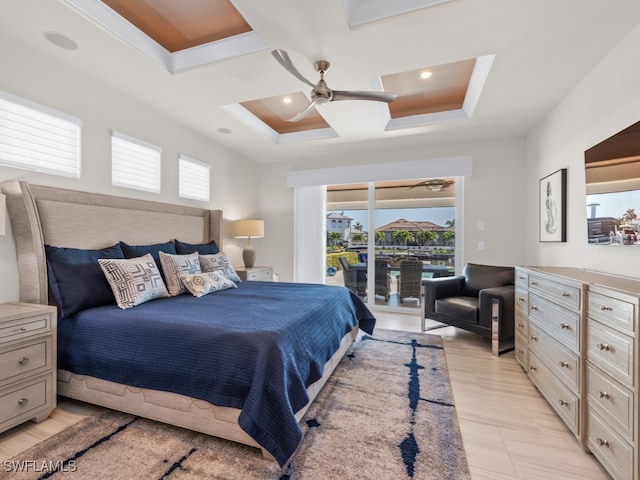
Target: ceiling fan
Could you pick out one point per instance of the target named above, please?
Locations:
(321, 93)
(434, 184)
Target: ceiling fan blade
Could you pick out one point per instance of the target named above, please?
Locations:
(285, 61)
(303, 113)
(359, 95)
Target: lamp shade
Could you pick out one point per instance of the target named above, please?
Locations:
(249, 229)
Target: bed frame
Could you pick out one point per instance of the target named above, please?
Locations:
(66, 218)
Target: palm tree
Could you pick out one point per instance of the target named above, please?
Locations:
(629, 215)
(402, 237)
(449, 236)
(450, 223)
(357, 226)
(380, 237)
(425, 236)
(334, 238)
(358, 237)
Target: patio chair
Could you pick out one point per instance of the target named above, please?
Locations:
(354, 279)
(383, 279)
(410, 279)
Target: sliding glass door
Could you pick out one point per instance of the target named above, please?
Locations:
(390, 236)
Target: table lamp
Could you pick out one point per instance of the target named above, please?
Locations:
(249, 229)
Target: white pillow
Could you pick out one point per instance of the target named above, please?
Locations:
(219, 263)
(133, 280)
(200, 284)
(175, 265)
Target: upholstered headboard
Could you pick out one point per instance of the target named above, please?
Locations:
(67, 218)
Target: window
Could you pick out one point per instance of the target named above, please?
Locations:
(194, 179)
(38, 138)
(134, 163)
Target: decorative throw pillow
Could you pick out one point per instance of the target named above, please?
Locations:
(202, 248)
(175, 265)
(219, 263)
(134, 251)
(201, 284)
(75, 278)
(133, 280)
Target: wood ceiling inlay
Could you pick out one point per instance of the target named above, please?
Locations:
(177, 25)
(275, 113)
(445, 90)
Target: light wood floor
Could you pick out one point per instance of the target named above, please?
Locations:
(509, 431)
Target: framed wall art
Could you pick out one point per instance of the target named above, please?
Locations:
(553, 207)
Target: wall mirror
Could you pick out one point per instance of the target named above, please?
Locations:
(612, 171)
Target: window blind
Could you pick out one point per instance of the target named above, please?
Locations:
(134, 163)
(38, 138)
(194, 179)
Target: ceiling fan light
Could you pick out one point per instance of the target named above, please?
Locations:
(426, 74)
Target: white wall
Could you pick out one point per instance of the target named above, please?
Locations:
(606, 101)
(493, 194)
(233, 188)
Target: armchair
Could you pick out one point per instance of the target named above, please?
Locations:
(481, 300)
(354, 279)
(383, 279)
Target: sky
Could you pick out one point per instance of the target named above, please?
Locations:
(437, 215)
(614, 204)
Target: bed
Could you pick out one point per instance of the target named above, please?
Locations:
(283, 340)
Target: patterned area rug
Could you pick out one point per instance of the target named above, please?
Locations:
(386, 413)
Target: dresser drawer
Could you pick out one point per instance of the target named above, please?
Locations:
(521, 351)
(25, 358)
(611, 351)
(560, 323)
(612, 399)
(21, 401)
(16, 329)
(608, 447)
(522, 324)
(522, 278)
(522, 300)
(561, 399)
(566, 295)
(612, 311)
(558, 359)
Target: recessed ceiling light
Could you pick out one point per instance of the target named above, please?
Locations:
(286, 100)
(226, 131)
(426, 74)
(61, 41)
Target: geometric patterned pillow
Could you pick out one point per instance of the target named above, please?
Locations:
(219, 263)
(200, 284)
(175, 265)
(133, 280)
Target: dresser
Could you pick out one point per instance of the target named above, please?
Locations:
(27, 363)
(581, 351)
(263, 274)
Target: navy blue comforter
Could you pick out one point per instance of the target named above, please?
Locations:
(255, 348)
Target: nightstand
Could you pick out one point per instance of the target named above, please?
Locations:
(263, 274)
(27, 363)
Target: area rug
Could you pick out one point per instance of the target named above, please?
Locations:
(386, 413)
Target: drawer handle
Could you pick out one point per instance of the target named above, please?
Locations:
(534, 283)
(23, 360)
(520, 351)
(603, 443)
(522, 278)
(606, 309)
(566, 294)
(563, 403)
(521, 299)
(532, 368)
(565, 326)
(603, 346)
(521, 325)
(21, 329)
(533, 307)
(564, 364)
(23, 401)
(602, 394)
(533, 337)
